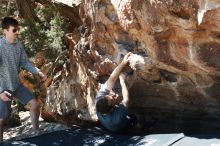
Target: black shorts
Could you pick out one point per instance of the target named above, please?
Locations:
(22, 94)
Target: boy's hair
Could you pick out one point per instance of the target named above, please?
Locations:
(102, 106)
(9, 21)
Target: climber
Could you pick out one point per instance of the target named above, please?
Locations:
(113, 116)
(12, 58)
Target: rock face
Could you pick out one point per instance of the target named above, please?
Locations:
(180, 42)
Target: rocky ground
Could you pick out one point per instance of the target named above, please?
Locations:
(25, 129)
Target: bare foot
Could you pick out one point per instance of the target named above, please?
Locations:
(37, 132)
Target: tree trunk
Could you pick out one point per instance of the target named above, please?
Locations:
(26, 11)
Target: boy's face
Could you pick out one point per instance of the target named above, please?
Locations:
(12, 32)
(112, 98)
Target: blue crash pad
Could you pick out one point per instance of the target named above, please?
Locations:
(198, 141)
(160, 139)
(96, 136)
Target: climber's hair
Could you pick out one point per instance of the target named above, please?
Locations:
(9, 21)
(102, 105)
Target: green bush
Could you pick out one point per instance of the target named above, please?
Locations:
(33, 36)
(48, 34)
(55, 34)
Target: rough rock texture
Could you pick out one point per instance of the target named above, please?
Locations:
(180, 42)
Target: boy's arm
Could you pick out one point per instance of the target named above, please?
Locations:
(125, 92)
(26, 64)
(115, 74)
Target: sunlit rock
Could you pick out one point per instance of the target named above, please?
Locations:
(178, 81)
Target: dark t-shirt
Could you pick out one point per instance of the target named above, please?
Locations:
(116, 120)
